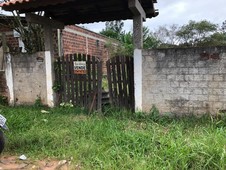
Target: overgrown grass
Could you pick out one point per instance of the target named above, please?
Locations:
(117, 139)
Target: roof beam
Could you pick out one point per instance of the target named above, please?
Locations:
(136, 8)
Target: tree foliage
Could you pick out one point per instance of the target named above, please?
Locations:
(192, 34)
(114, 29)
(196, 33)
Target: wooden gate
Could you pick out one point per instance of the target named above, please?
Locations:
(79, 81)
(120, 74)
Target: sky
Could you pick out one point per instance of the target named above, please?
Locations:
(178, 12)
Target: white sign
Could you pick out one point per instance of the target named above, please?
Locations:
(79, 67)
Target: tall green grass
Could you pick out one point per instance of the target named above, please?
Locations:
(117, 139)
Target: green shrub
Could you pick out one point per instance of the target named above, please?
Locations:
(3, 100)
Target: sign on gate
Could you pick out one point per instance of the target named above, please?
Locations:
(79, 67)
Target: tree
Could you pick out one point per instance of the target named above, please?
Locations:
(113, 29)
(165, 36)
(116, 26)
(216, 39)
(195, 33)
(149, 40)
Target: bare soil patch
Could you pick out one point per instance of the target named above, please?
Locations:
(14, 163)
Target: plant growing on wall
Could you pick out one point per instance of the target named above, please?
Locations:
(31, 34)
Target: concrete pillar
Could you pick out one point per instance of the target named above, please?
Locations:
(138, 45)
(138, 78)
(9, 79)
(138, 32)
(49, 59)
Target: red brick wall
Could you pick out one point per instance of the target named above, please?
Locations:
(80, 40)
(74, 40)
(11, 41)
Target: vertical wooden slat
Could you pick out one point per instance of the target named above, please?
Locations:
(70, 69)
(64, 79)
(72, 79)
(94, 81)
(76, 83)
(80, 85)
(99, 86)
(125, 82)
(58, 80)
(68, 78)
(109, 77)
(131, 81)
(119, 82)
(85, 85)
(114, 84)
(89, 91)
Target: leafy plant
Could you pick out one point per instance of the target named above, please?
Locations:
(3, 100)
(56, 87)
(67, 104)
(32, 35)
(38, 102)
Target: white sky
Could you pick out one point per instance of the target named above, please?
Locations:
(178, 12)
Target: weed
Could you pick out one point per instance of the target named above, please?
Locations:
(105, 83)
(67, 104)
(56, 87)
(3, 100)
(38, 102)
(116, 139)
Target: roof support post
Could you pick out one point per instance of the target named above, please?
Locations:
(138, 32)
(49, 63)
(139, 16)
(137, 55)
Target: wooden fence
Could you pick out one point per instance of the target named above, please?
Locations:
(120, 74)
(79, 84)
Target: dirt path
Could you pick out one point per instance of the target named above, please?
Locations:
(14, 163)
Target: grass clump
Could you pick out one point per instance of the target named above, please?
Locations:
(117, 139)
